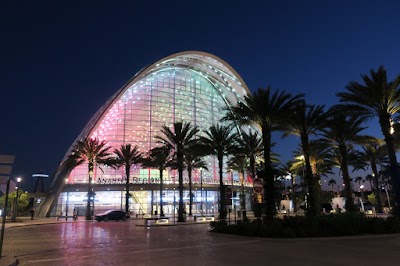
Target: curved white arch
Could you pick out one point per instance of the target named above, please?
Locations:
(223, 79)
(196, 60)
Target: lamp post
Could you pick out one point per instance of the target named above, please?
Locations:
(67, 202)
(302, 158)
(201, 191)
(174, 205)
(14, 217)
(387, 196)
(362, 196)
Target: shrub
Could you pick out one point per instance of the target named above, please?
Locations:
(321, 226)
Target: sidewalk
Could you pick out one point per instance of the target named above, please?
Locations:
(141, 221)
(26, 221)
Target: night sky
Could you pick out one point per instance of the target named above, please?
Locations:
(61, 60)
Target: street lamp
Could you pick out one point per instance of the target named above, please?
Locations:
(302, 158)
(362, 196)
(14, 217)
(387, 196)
(201, 191)
(174, 205)
(67, 202)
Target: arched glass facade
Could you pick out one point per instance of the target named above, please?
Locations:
(184, 88)
(191, 87)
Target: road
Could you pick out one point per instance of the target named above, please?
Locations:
(124, 243)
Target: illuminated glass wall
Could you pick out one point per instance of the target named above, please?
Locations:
(141, 203)
(189, 86)
(164, 97)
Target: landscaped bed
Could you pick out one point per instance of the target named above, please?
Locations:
(321, 226)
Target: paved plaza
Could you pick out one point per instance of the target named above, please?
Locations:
(124, 243)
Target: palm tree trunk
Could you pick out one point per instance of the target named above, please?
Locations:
(127, 172)
(350, 207)
(181, 209)
(394, 168)
(190, 191)
(89, 194)
(222, 205)
(243, 197)
(161, 192)
(314, 207)
(378, 190)
(253, 167)
(293, 193)
(269, 184)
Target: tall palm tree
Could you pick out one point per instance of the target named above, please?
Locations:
(158, 158)
(249, 152)
(378, 97)
(359, 180)
(250, 145)
(342, 133)
(239, 163)
(370, 179)
(267, 110)
(221, 142)
(332, 183)
(178, 140)
(193, 160)
(373, 154)
(92, 152)
(288, 171)
(126, 157)
(321, 165)
(303, 122)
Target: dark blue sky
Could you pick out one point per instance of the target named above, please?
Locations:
(61, 60)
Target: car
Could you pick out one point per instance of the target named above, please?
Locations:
(112, 215)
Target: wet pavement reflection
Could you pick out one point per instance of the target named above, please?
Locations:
(124, 243)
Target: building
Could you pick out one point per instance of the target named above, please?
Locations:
(188, 86)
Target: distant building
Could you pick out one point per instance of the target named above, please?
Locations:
(188, 86)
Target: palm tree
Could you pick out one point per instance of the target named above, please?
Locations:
(377, 97)
(238, 163)
(321, 165)
(158, 158)
(221, 142)
(303, 122)
(332, 183)
(288, 170)
(250, 145)
(359, 180)
(267, 110)
(126, 157)
(341, 134)
(193, 160)
(370, 179)
(178, 140)
(373, 154)
(249, 151)
(92, 152)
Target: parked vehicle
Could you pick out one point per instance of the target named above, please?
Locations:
(112, 215)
